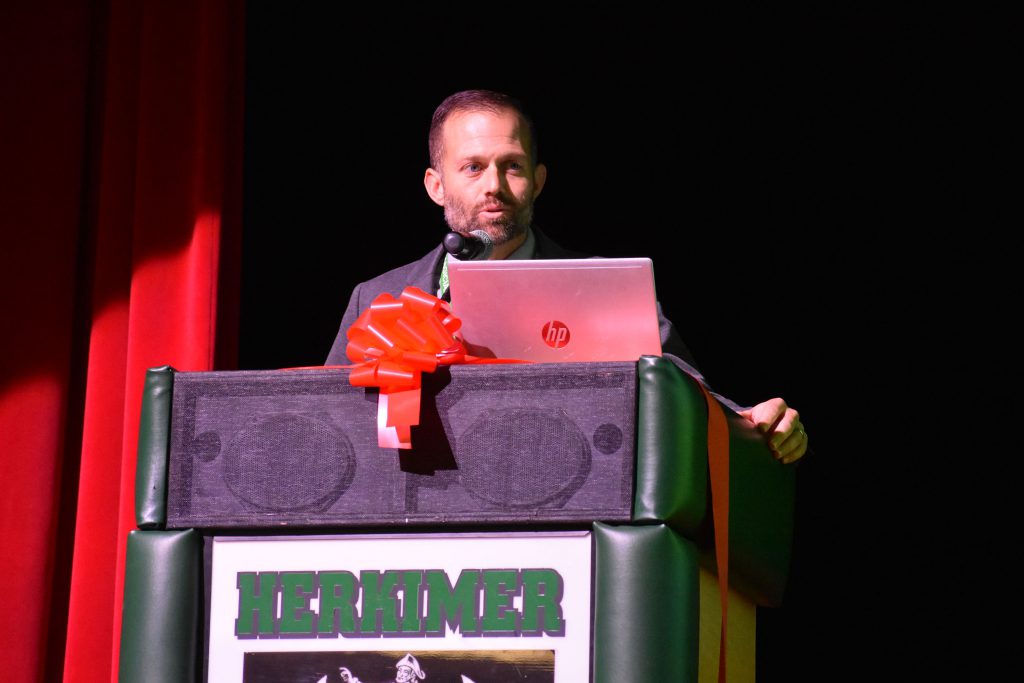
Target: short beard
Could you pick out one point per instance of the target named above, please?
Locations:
(501, 230)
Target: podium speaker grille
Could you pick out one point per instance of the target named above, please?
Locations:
(496, 443)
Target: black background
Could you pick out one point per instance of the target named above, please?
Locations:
(820, 196)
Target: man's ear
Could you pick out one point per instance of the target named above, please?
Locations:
(540, 176)
(435, 187)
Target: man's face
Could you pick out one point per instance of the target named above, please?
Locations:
(404, 674)
(487, 180)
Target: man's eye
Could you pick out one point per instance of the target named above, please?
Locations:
(473, 168)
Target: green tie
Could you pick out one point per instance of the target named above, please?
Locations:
(442, 285)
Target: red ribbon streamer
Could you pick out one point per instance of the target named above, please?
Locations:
(718, 470)
(393, 343)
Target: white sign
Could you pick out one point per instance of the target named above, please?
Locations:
(369, 608)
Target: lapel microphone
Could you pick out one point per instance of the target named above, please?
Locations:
(476, 246)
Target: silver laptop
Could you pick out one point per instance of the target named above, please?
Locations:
(557, 310)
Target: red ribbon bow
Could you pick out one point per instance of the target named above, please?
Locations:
(393, 342)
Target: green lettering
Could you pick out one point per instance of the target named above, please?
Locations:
(256, 612)
(542, 592)
(380, 606)
(453, 606)
(297, 590)
(411, 622)
(500, 585)
(337, 603)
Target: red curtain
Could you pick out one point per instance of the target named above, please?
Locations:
(120, 201)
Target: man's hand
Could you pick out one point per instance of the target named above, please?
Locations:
(782, 427)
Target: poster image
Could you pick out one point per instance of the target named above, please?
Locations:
(468, 666)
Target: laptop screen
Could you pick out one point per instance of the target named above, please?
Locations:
(556, 310)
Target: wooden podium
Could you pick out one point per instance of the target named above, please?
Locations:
(551, 523)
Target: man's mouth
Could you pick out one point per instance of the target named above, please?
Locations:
(495, 210)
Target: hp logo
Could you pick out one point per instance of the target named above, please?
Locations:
(555, 334)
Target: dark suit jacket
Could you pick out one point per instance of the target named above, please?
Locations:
(425, 274)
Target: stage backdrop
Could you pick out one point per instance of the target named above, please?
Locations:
(120, 181)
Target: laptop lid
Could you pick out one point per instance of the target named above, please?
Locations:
(557, 310)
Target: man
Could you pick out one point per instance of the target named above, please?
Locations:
(408, 670)
(484, 172)
(346, 675)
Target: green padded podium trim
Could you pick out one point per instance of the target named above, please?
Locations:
(154, 440)
(160, 624)
(672, 452)
(646, 605)
(672, 481)
(762, 497)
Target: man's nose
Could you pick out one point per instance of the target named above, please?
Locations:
(494, 179)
